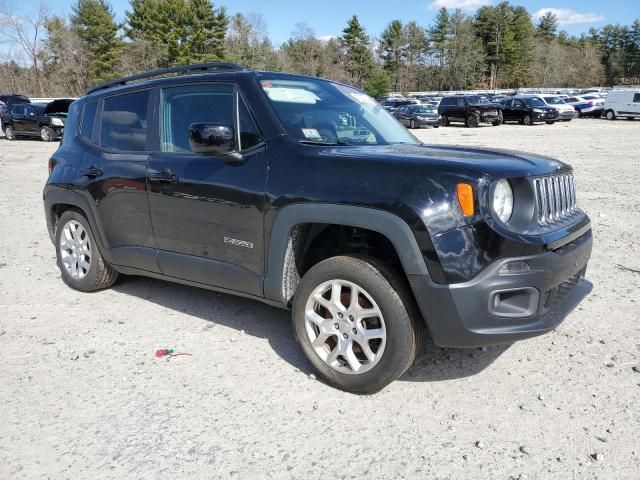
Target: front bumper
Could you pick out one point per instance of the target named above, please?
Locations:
(427, 122)
(545, 117)
(497, 307)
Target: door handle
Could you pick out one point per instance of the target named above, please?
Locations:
(163, 177)
(91, 172)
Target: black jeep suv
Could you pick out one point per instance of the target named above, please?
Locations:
(306, 194)
(36, 120)
(470, 109)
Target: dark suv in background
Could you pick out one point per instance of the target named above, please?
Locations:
(307, 194)
(472, 110)
(36, 120)
(527, 110)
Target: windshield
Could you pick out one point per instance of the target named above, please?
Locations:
(322, 112)
(479, 99)
(38, 108)
(534, 102)
(422, 109)
(554, 100)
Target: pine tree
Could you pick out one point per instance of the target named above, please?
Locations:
(393, 50)
(358, 59)
(94, 22)
(547, 27)
(379, 84)
(438, 37)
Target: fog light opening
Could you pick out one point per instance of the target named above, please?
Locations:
(515, 267)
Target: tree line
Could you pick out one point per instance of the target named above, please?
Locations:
(499, 46)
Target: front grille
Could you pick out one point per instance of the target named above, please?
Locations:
(555, 198)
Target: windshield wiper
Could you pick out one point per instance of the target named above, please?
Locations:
(320, 142)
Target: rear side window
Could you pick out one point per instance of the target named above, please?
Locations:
(447, 101)
(636, 98)
(123, 123)
(88, 120)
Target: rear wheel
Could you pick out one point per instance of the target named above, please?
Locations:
(472, 121)
(445, 120)
(550, 123)
(355, 320)
(497, 122)
(81, 265)
(46, 134)
(8, 133)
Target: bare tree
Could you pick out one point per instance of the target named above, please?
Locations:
(26, 32)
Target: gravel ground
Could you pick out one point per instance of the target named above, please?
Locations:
(82, 395)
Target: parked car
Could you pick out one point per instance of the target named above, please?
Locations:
(306, 194)
(8, 99)
(622, 103)
(392, 103)
(587, 105)
(470, 109)
(528, 110)
(416, 116)
(567, 112)
(36, 120)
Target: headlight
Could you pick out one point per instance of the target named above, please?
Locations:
(538, 110)
(57, 122)
(502, 201)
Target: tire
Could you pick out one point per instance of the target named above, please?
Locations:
(412, 124)
(9, 134)
(527, 120)
(382, 290)
(445, 121)
(550, 123)
(579, 113)
(498, 122)
(46, 134)
(472, 121)
(610, 115)
(99, 274)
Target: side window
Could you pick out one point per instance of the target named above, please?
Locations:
(570, 99)
(123, 124)
(17, 110)
(183, 106)
(636, 98)
(29, 112)
(460, 102)
(88, 120)
(249, 135)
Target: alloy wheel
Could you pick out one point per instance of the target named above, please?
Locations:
(345, 326)
(527, 120)
(75, 249)
(9, 133)
(45, 134)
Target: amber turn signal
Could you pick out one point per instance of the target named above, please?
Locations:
(465, 198)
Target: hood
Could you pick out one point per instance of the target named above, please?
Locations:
(57, 107)
(461, 160)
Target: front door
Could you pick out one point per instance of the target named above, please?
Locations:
(207, 209)
(30, 120)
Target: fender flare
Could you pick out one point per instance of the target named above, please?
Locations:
(71, 197)
(391, 226)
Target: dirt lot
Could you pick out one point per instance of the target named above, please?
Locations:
(82, 396)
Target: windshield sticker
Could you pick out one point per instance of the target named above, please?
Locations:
(291, 95)
(362, 98)
(311, 133)
(266, 84)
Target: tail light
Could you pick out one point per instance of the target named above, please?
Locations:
(52, 164)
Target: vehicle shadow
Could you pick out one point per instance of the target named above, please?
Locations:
(435, 364)
(273, 324)
(253, 317)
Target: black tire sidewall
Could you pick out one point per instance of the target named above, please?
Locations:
(88, 282)
(400, 342)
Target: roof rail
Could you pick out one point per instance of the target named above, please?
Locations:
(196, 67)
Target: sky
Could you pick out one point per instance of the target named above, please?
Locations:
(328, 17)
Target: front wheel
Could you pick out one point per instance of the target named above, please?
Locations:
(527, 120)
(46, 134)
(412, 124)
(8, 133)
(472, 121)
(356, 322)
(610, 115)
(550, 123)
(80, 262)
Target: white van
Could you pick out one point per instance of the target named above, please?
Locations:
(622, 103)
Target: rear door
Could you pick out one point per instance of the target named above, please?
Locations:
(18, 119)
(112, 174)
(507, 110)
(206, 208)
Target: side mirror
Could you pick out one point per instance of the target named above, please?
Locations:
(212, 138)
